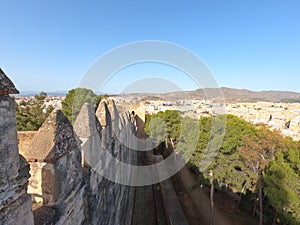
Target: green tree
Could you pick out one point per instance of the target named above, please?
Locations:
(243, 165)
(74, 100)
(157, 129)
(172, 122)
(283, 187)
(30, 116)
(228, 168)
(188, 137)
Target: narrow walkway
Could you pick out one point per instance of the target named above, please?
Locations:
(148, 206)
(144, 206)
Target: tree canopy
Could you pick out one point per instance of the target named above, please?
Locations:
(30, 116)
(166, 123)
(251, 158)
(74, 100)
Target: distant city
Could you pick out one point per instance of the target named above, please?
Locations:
(283, 116)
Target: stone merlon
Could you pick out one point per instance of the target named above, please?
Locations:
(103, 114)
(87, 124)
(6, 85)
(54, 139)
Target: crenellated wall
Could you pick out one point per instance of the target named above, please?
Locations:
(56, 183)
(68, 174)
(69, 166)
(15, 203)
(109, 202)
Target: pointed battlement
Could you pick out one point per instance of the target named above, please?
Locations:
(115, 117)
(6, 85)
(78, 174)
(103, 114)
(15, 203)
(104, 118)
(58, 155)
(56, 181)
(87, 124)
(89, 130)
(54, 139)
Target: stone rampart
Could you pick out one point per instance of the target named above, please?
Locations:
(70, 174)
(15, 203)
(66, 164)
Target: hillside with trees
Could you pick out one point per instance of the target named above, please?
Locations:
(260, 167)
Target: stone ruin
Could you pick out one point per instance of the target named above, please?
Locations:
(51, 176)
(15, 203)
(63, 186)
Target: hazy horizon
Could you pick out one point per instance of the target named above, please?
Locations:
(26, 92)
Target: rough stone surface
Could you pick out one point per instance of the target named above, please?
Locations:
(68, 174)
(24, 140)
(9, 156)
(56, 181)
(115, 118)
(67, 190)
(103, 114)
(103, 194)
(104, 118)
(87, 124)
(15, 204)
(35, 187)
(18, 212)
(6, 85)
(71, 210)
(54, 139)
(89, 130)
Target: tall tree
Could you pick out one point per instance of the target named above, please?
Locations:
(282, 181)
(74, 100)
(257, 151)
(170, 120)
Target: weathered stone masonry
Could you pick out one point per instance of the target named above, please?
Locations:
(65, 186)
(15, 203)
(58, 178)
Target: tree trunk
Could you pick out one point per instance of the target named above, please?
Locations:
(211, 199)
(254, 209)
(243, 189)
(260, 203)
(274, 219)
(172, 143)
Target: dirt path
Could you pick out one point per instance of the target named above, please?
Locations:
(196, 203)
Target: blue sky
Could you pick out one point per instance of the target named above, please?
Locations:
(49, 45)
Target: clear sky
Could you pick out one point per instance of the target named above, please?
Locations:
(253, 44)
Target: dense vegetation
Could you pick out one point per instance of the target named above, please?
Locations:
(31, 115)
(260, 166)
(74, 100)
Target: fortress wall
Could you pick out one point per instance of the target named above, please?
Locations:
(75, 177)
(56, 175)
(65, 183)
(72, 180)
(15, 203)
(89, 131)
(126, 193)
(108, 202)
